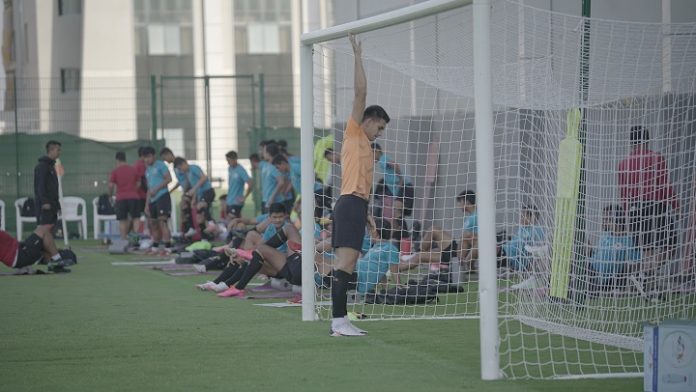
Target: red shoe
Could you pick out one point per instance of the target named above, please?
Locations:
(232, 292)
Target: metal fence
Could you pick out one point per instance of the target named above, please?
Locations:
(200, 118)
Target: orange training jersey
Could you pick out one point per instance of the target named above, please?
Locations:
(357, 161)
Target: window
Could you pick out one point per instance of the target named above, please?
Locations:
(69, 80)
(263, 38)
(69, 7)
(164, 39)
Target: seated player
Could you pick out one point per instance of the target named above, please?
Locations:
(383, 256)
(513, 252)
(469, 249)
(15, 254)
(278, 257)
(262, 233)
(616, 252)
(437, 246)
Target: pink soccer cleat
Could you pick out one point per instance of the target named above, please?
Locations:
(232, 292)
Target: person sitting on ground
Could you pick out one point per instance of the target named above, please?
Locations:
(201, 193)
(513, 252)
(383, 256)
(281, 250)
(263, 232)
(616, 252)
(237, 177)
(437, 246)
(469, 249)
(24, 254)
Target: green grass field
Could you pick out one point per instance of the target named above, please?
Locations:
(130, 328)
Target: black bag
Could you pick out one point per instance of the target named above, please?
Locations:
(215, 263)
(28, 208)
(420, 293)
(194, 257)
(68, 256)
(104, 206)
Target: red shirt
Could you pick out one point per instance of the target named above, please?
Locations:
(140, 169)
(8, 249)
(643, 176)
(126, 179)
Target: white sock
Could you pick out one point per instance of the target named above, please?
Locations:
(55, 257)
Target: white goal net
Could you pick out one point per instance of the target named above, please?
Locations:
(595, 155)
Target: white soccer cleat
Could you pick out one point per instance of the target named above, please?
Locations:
(190, 233)
(343, 328)
(358, 330)
(220, 287)
(207, 286)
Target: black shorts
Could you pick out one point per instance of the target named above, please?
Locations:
(161, 207)
(349, 221)
(208, 197)
(292, 270)
(235, 210)
(127, 208)
(30, 251)
(652, 224)
(46, 217)
(140, 208)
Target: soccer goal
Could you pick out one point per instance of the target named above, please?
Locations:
(576, 136)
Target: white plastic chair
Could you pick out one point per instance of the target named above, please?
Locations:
(3, 212)
(98, 219)
(21, 219)
(74, 209)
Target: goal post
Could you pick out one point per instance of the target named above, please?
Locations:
(485, 173)
(308, 39)
(485, 99)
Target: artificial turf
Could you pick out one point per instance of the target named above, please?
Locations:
(130, 328)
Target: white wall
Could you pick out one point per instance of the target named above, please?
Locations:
(108, 96)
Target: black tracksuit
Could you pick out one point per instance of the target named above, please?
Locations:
(46, 185)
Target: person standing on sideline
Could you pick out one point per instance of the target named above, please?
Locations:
(140, 169)
(350, 213)
(237, 177)
(167, 156)
(647, 195)
(47, 203)
(159, 203)
(126, 181)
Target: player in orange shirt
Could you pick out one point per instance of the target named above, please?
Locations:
(350, 212)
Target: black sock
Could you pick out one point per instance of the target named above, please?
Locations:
(155, 244)
(339, 293)
(227, 273)
(236, 275)
(168, 244)
(254, 267)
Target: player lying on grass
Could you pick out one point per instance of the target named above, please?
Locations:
(15, 254)
(264, 232)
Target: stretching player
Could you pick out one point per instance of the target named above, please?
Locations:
(15, 254)
(350, 213)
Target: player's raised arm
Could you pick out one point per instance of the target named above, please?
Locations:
(360, 82)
